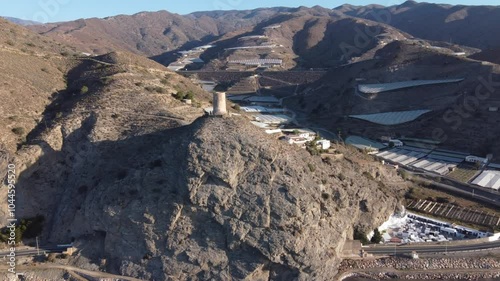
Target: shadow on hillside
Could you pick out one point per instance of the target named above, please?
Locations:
(79, 85)
(336, 47)
(171, 56)
(71, 186)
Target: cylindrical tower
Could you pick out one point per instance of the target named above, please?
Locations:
(219, 104)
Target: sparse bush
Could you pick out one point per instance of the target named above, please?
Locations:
(106, 80)
(312, 148)
(9, 42)
(341, 177)
(26, 228)
(151, 89)
(410, 193)
(443, 200)
(189, 95)
(359, 235)
(84, 90)
(179, 95)
(311, 167)
(368, 175)
(328, 160)
(377, 237)
(51, 257)
(18, 131)
(404, 174)
(29, 44)
(237, 107)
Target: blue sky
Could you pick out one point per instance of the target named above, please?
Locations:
(64, 10)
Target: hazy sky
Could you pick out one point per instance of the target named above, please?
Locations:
(63, 10)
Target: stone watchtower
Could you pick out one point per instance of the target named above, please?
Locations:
(219, 104)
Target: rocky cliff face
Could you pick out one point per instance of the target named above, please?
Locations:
(214, 199)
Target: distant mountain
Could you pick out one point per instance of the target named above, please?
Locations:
(309, 37)
(306, 34)
(152, 33)
(474, 26)
(21, 21)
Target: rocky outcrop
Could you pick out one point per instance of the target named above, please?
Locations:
(214, 199)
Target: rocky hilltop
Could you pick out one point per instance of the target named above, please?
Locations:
(214, 199)
(147, 187)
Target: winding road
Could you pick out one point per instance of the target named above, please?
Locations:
(434, 248)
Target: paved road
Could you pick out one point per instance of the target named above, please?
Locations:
(33, 251)
(87, 273)
(486, 196)
(442, 248)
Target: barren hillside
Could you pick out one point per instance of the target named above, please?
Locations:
(474, 26)
(151, 33)
(32, 72)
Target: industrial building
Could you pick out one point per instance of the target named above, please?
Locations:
(386, 87)
(273, 119)
(488, 179)
(260, 109)
(391, 118)
(439, 162)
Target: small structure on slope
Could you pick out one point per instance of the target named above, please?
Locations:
(219, 104)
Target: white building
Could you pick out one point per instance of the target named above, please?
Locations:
(304, 135)
(324, 144)
(302, 138)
